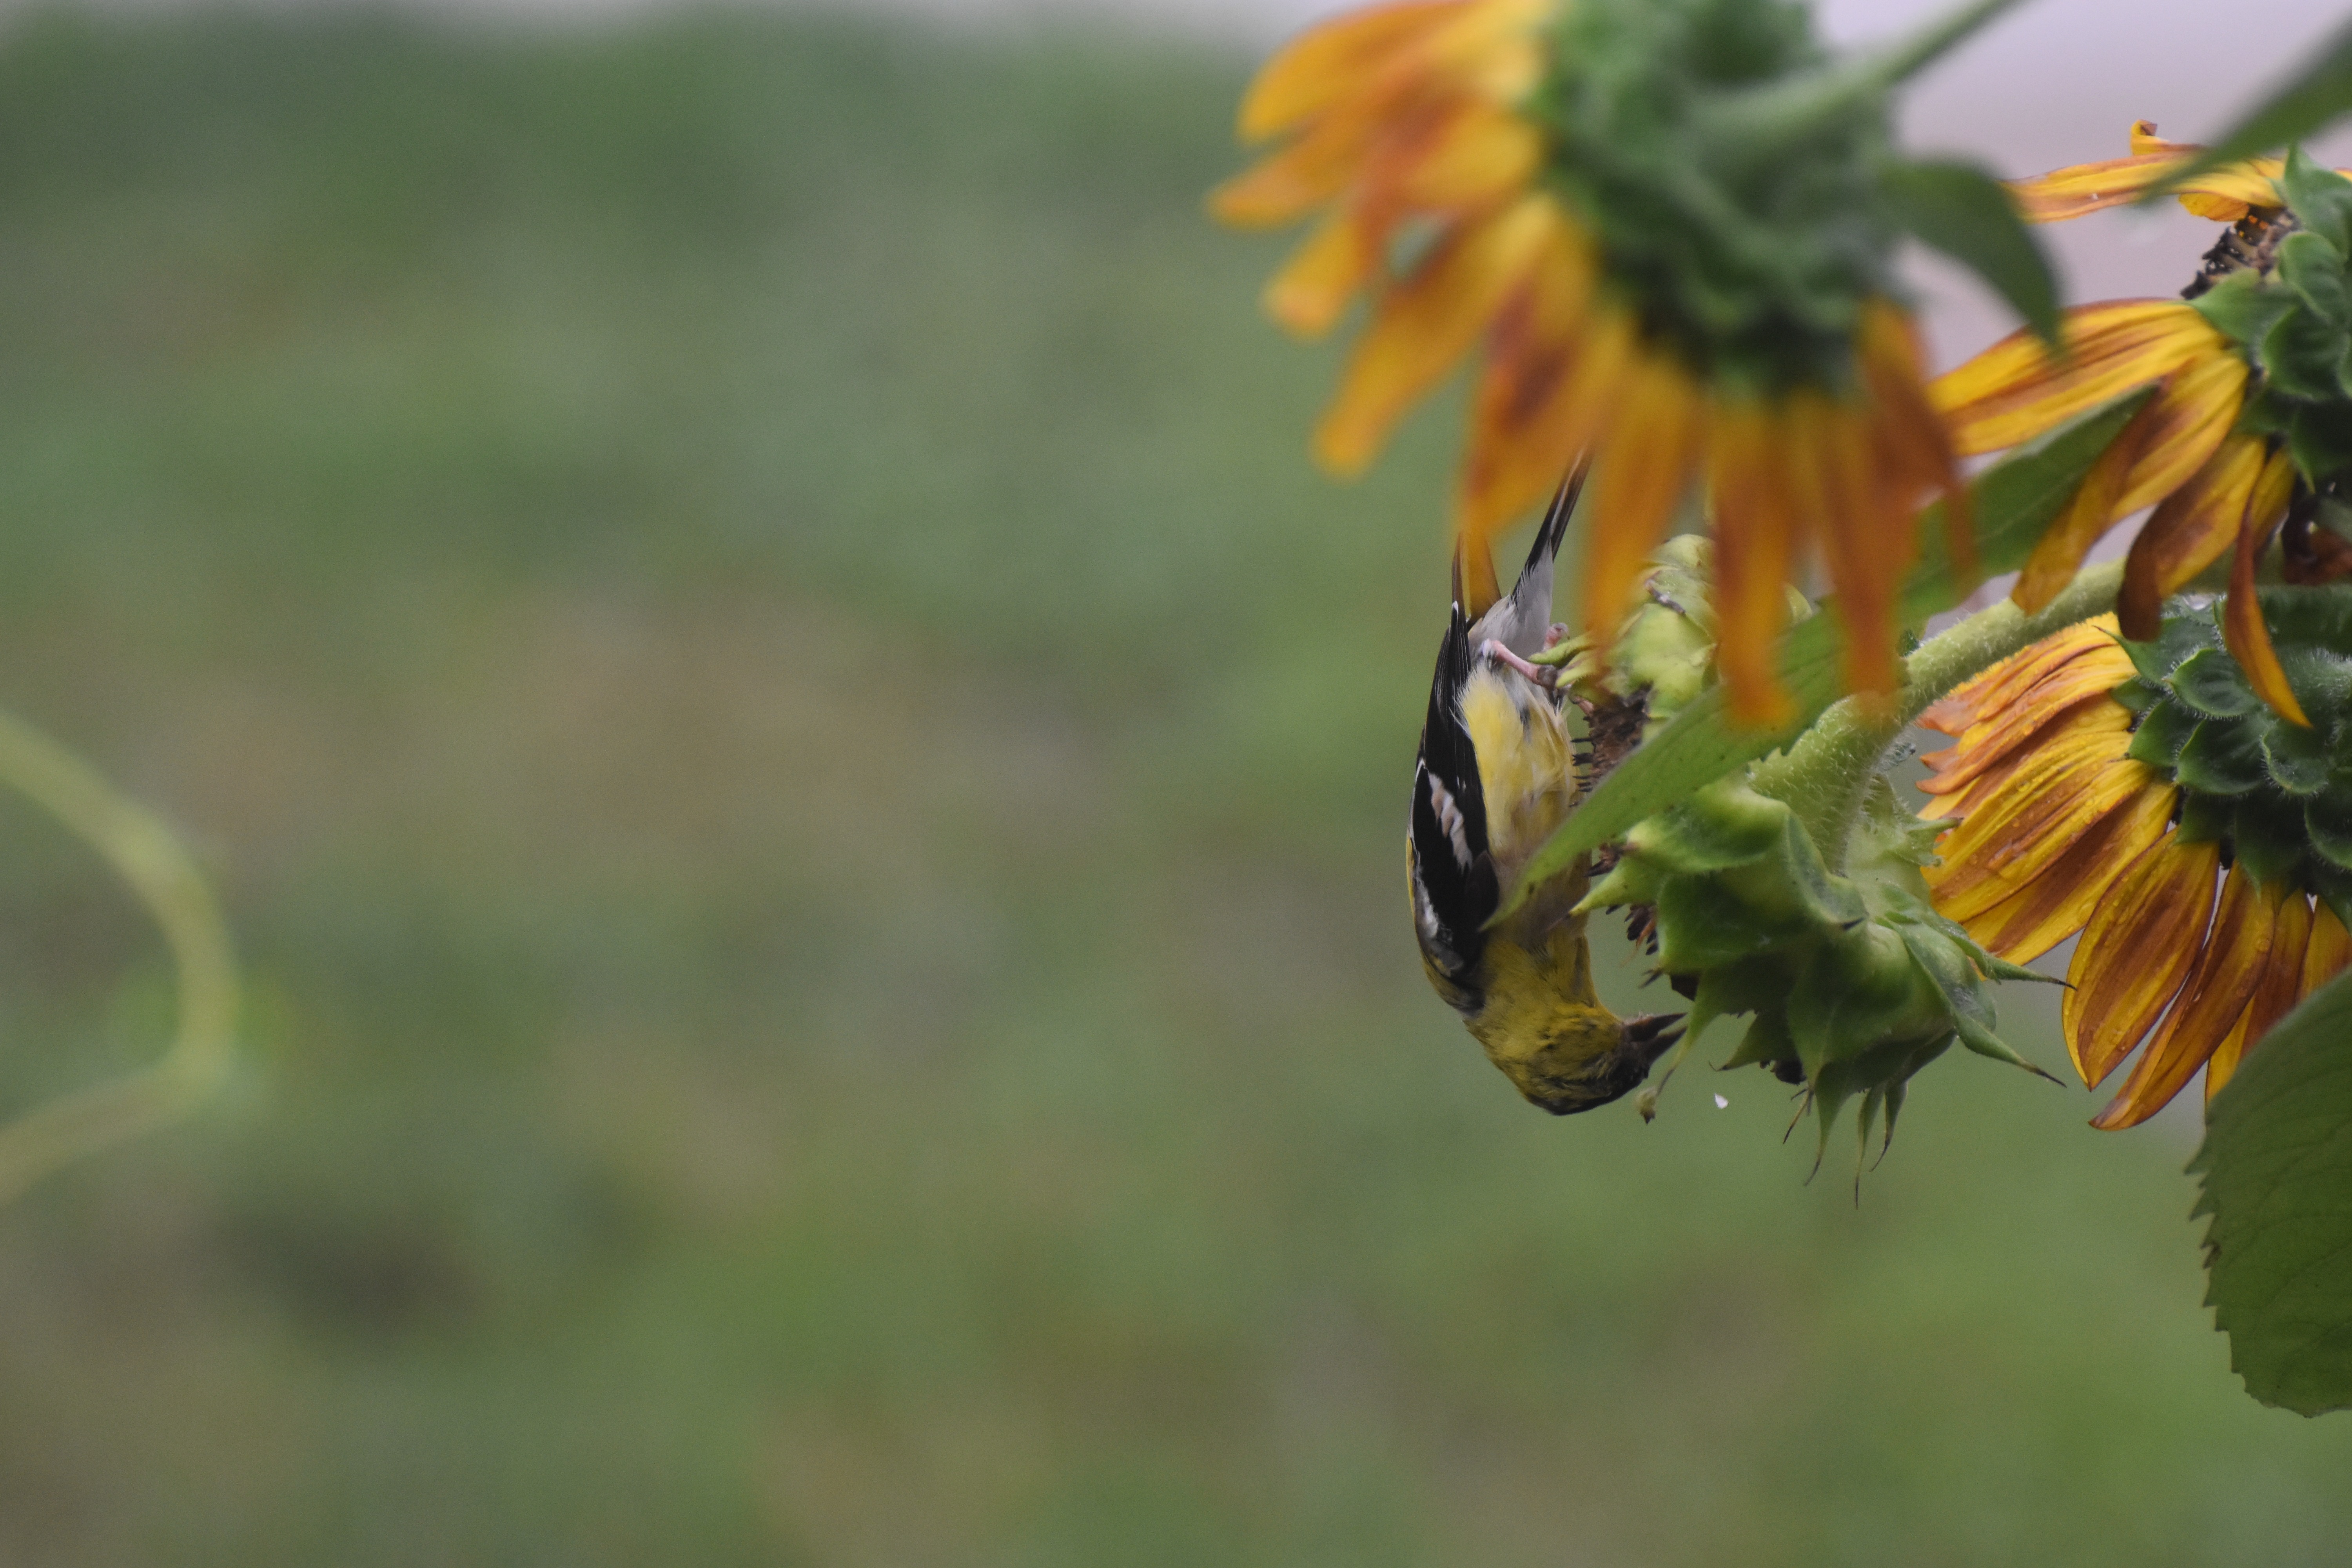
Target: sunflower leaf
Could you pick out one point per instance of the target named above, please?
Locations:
(2012, 503)
(2289, 111)
(2277, 1173)
(1967, 213)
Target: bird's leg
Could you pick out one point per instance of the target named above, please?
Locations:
(1497, 653)
(1555, 635)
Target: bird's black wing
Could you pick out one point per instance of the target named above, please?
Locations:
(1455, 890)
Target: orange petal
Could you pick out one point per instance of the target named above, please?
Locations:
(2274, 997)
(1868, 545)
(2056, 903)
(2000, 849)
(2248, 637)
(1289, 184)
(1910, 449)
(1311, 292)
(2228, 969)
(1524, 426)
(2136, 951)
(2015, 390)
(1754, 452)
(2161, 451)
(1427, 324)
(2189, 530)
(1476, 156)
(1332, 62)
(1990, 692)
(1642, 467)
(2069, 698)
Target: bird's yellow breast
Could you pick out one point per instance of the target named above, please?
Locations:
(1527, 767)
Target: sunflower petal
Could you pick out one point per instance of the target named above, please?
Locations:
(2189, 530)
(2057, 902)
(1998, 851)
(1311, 292)
(1329, 63)
(2273, 998)
(2247, 635)
(1527, 422)
(2158, 451)
(2017, 389)
(2136, 951)
(1642, 467)
(1425, 325)
(2228, 969)
(1758, 522)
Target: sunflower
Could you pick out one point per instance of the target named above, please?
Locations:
(1594, 202)
(2142, 795)
(2217, 449)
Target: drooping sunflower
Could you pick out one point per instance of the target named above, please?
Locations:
(2143, 795)
(2248, 423)
(1661, 227)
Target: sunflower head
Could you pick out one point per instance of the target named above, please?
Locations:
(1746, 236)
(2275, 793)
(2145, 795)
(1667, 229)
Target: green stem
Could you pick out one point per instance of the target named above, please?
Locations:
(146, 855)
(1772, 116)
(1824, 774)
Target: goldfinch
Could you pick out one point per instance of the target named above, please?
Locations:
(1496, 775)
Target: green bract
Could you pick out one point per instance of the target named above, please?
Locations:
(1743, 187)
(2278, 794)
(1853, 982)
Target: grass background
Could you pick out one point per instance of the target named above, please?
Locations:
(810, 785)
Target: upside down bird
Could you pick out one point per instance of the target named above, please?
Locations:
(1496, 774)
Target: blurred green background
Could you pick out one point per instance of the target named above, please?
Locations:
(810, 786)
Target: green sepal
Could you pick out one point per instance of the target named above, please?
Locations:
(1966, 213)
(1860, 990)
(2314, 268)
(2203, 818)
(2321, 197)
(1723, 825)
(2319, 438)
(2137, 695)
(2296, 758)
(2223, 756)
(1985, 1043)
(2243, 307)
(2266, 841)
(2328, 828)
(1766, 1041)
(2209, 683)
(2161, 734)
(1699, 928)
(2300, 355)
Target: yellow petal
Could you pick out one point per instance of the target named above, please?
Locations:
(1758, 528)
(1997, 851)
(1331, 62)
(1311, 292)
(2248, 637)
(2189, 530)
(1642, 467)
(2015, 390)
(1525, 428)
(2228, 968)
(1287, 184)
(1424, 325)
(2136, 951)
(2273, 998)
(2054, 905)
(1474, 157)
(2159, 451)
(1867, 532)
